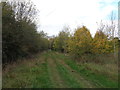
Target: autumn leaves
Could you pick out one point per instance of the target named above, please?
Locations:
(81, 42)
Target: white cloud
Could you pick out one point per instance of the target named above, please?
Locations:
(56, 13)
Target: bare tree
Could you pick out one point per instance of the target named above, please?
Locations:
(24, 10)
(101, 26)
(111, 29)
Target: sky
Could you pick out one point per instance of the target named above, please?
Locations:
(55, 14)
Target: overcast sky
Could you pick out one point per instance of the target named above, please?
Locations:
(54, 14)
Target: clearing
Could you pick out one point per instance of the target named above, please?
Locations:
(56, 70)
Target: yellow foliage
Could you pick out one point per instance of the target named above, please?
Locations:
(80, 43)
(101, 43)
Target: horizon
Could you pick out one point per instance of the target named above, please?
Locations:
(52, 17)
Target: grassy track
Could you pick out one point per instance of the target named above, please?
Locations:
(77, 77)
(100, 80)
(54, 74)
(53, 70)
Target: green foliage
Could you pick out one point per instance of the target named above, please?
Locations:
(21, 39)
(81, 43)
(51, 43)
(116, 41)
(20, 36)
(9, 43)
(60, 42)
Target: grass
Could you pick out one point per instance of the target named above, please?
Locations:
(68, 79)
(94, 72)
(53, 70)
(32, 74)
(42, 79)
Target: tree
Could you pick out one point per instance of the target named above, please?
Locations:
(51, 42)
(101, 43)
(8, 41)
(20, 36)
(80, 43)
(24, 10)
(60, 42)
(111, 30)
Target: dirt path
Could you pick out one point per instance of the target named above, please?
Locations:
(55, 77)
(67, 79)
(49, 70)
(83, 82)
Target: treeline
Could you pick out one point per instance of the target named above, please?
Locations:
(20, 37)
(82, 43)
